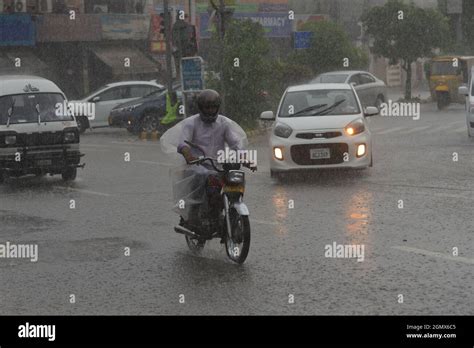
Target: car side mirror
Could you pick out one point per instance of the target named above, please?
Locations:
(462, 90)
(354, 84)
(371, 111)
(96, 99)
(267, 116)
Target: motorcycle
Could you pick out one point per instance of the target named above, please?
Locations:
(232, 225)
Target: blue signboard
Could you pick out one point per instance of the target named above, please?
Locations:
(17, 30)
(192, 74)
(274, 24)
(303, 39)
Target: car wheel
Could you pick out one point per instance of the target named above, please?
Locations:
(82, 123)
(149, 122)
(69, 174)
(280, 176)
(379, 101)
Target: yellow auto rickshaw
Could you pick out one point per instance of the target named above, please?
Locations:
(446, 74)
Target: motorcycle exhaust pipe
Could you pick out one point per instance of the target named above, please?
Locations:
(185, 231)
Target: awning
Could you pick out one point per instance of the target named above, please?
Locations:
(117, 58)
(21, 61)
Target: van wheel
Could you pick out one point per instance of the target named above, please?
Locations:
(82, 123)
(69, 174)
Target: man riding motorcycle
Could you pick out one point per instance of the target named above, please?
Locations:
(198, 186)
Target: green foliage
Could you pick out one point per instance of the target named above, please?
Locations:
(468, 26)
(258, 71)
(330, 45)
(245, 45)
(403, 32)
(407, 39)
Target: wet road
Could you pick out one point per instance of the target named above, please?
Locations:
(121, 204)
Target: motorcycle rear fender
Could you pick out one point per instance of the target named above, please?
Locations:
(241, 208)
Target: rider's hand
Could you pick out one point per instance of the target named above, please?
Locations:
(186, 152)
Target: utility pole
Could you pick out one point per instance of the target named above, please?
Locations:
(220, 13)
(169, 69)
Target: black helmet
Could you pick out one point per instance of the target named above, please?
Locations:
(209, 103)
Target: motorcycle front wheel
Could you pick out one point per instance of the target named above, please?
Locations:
(238, 246)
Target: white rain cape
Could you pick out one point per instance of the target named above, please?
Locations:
(188, 181)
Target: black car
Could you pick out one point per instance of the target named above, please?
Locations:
(142, 114)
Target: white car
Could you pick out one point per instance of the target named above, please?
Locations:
(468, 91)
(109, 96)
(371, 90)
(320, 126)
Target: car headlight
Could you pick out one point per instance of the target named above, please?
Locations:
(69, 137)
(282, 130)
(133, 107)
(355, 127)
(10, 139)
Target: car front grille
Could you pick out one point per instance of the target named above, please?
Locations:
(318, 135)
(38, 139)
(301, 154)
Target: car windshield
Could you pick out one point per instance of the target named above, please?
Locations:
(24, 108)
(443, 68)
(294, 102)
(331, 78)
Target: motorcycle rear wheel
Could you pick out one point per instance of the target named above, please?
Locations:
(238, 247)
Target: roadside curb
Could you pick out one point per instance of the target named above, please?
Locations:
(257, 132)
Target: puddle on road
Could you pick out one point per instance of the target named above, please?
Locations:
(17, 224)
(87, 250)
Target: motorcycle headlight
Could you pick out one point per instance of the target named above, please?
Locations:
(235, 178)
(10, 139)
(69, 137)
(355, 127)
(282, 130)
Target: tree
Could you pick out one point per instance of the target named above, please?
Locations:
(244, 69)
(403, 33)
(331, 49)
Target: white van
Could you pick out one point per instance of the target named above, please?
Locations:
(468, 91)
(34, 137)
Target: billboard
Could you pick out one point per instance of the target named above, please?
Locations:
(274, 24)
(125, 26)
(17, 30)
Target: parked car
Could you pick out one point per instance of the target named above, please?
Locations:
(371, 90)
(468, 92)
(142, 114)
(320, 125)
(109, 96)
(35, 138)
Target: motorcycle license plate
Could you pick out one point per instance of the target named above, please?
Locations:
(316, 154)
(44, 162)
(238, 188)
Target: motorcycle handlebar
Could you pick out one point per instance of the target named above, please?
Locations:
(211, 160)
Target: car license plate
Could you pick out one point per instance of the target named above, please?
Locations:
(44, 162)
(316, 154)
